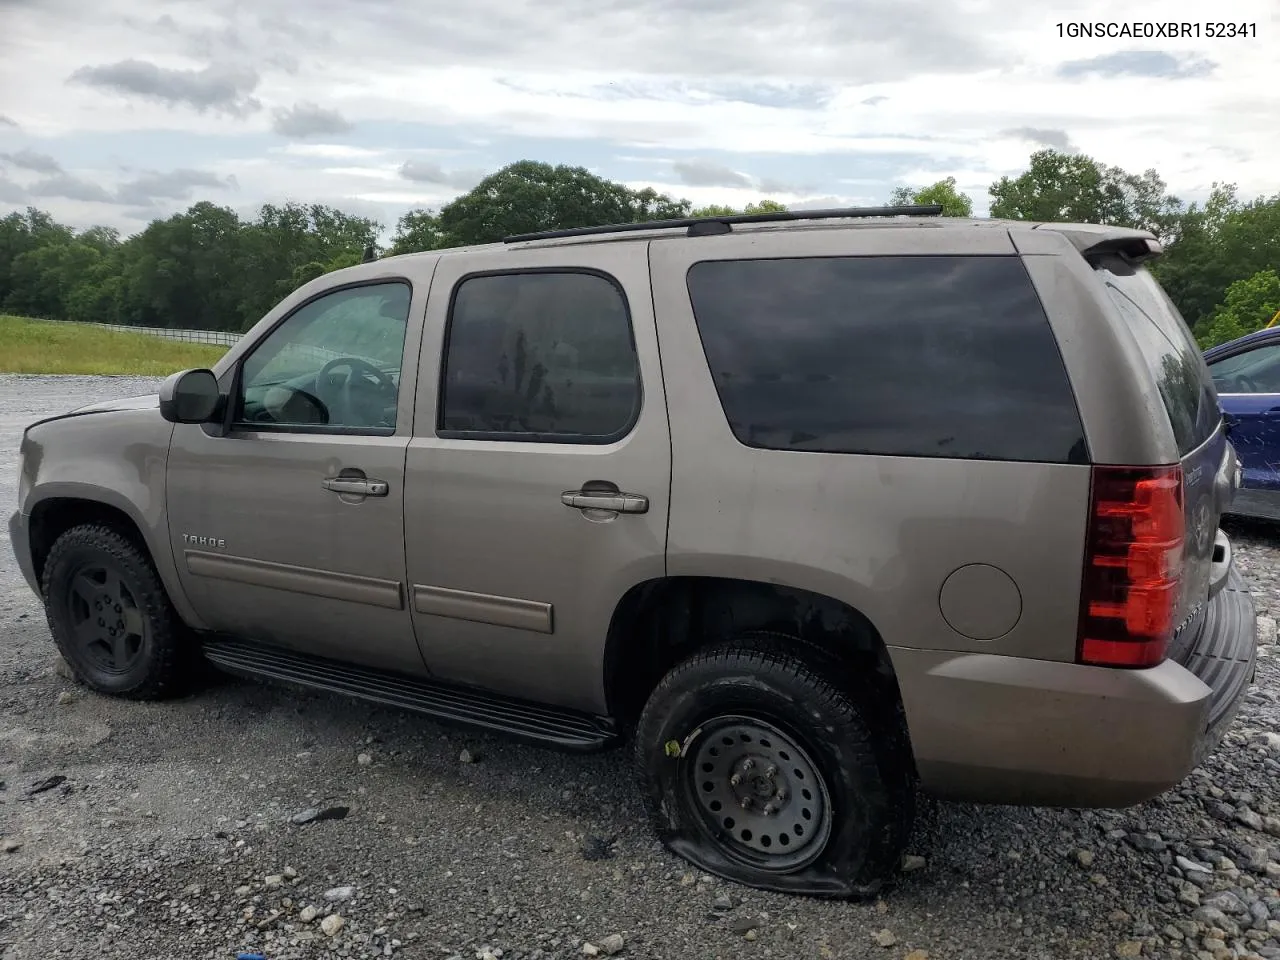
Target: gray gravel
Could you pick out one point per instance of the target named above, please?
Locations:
(167, 831)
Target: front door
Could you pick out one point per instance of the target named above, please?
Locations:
(1248, 385)
(540, 466)
(289, 529)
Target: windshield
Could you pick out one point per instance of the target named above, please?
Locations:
(1169, 349)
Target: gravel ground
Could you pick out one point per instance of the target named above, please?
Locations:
(165, 830)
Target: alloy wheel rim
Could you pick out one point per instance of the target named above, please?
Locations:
(107, 625)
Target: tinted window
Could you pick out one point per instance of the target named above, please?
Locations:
(335, 362)
(540, 356)
(1169, 350)
(911, 356)
(1254, 371)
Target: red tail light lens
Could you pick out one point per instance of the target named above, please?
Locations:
(1133, 564)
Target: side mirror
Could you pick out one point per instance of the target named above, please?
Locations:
(190, 396)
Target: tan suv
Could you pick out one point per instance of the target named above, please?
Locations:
(817, 509)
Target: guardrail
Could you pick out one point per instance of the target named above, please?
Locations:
(220, 338)
(216, 337)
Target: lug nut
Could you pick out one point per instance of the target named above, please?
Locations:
(735, 780)
(745, 803)
(770, 809)
(748, 764)
(782, 794)
(771, 771)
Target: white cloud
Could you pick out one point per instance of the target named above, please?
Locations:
(31, 160)
(329, 151)
(720, 102)
(307, 119)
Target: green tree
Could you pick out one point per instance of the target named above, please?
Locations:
(944, 192)
(186, 271)
(1249, 305)
(1220, 242)
(98, 298)
(1074, 188)
(528, 196)
(19, 234)
(208, 267)
(290, 244)
(416, 231)
(720, 210)
(42, 278)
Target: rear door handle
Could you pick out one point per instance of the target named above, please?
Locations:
(358, 486)
(615, 502)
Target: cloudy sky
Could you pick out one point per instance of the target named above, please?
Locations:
(120, 111)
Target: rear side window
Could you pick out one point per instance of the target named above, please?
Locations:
(540, 356)
(903, 356)
(1171, 354)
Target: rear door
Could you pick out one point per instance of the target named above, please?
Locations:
(1191, 402)
(540, 466)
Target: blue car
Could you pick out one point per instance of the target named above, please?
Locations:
(1246, 373)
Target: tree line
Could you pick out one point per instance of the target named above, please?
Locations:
(209, 268)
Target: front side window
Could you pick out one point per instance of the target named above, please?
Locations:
(334, 363)
(940, 356)
(1253, 371)
(539, 356)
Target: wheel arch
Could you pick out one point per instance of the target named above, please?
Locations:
(659, 622)
(58, 511)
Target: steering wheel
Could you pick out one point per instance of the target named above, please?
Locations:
(357, 369)
(1244, 383)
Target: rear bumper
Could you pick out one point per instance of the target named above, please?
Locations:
(997, 729)
(1224, 658)
(21, 543)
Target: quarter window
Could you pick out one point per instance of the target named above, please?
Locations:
(942, 356)
(540, 356)
(334, 364)
(1170, 352)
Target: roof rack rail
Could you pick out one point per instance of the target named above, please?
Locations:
(710, 226)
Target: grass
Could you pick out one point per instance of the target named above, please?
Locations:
(38, 346)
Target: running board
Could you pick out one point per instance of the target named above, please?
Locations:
(464, 706)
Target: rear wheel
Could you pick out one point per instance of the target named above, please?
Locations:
(110, 616)
(766, 766)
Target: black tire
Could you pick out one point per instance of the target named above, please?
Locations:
(788, 709)
(111, 618)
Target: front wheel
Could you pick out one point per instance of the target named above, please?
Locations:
(111, 618)
(763, 769)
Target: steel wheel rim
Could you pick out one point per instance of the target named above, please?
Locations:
(107, 624)
(758, 794)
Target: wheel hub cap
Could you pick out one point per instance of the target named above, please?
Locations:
(107, 624)
(760, 794)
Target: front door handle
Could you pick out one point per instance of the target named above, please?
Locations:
(358, 486)
(614, 502)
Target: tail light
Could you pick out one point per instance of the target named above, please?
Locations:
(1133, 564)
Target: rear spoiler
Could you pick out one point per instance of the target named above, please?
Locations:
(1130, 249)
(1095, 240)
